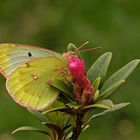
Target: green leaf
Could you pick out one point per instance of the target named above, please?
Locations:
(85, 127)
(114, 108)
(119, 106)
(60, 85)
(53, 127)
(60, 109)
(71, 47)
(29, 128)
(96, 95)
(105, 104)
(96, 84)
(68, 136)
(74, 105)
(100, 66)
(57, 114)
(121, 74)
(110, 90)
(58, 106)
(38, 115)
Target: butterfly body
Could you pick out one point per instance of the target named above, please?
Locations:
(28, 71)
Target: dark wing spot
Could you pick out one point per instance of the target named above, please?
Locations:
(29, 54)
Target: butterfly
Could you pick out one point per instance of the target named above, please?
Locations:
(29, 70)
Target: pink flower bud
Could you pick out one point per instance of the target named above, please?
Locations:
(83, 91)
(77, 68)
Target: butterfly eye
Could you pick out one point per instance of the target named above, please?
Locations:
(29, 54)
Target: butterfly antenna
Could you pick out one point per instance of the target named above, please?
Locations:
(81, 47)
(91, 49)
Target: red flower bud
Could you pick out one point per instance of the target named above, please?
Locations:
(87, 94)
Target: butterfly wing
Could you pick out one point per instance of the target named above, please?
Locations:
(14, 55)
(29, 84)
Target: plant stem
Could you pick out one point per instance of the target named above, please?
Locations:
(78, 127)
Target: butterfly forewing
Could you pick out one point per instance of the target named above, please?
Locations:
(14, 55)
(29, 84)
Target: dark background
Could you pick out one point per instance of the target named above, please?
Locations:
(113, 25)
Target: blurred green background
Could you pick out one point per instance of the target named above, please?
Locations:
(113, 25)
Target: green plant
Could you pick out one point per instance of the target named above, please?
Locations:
(72, 112)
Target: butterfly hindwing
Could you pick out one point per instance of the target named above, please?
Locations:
(14, 55)
(29, 84)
